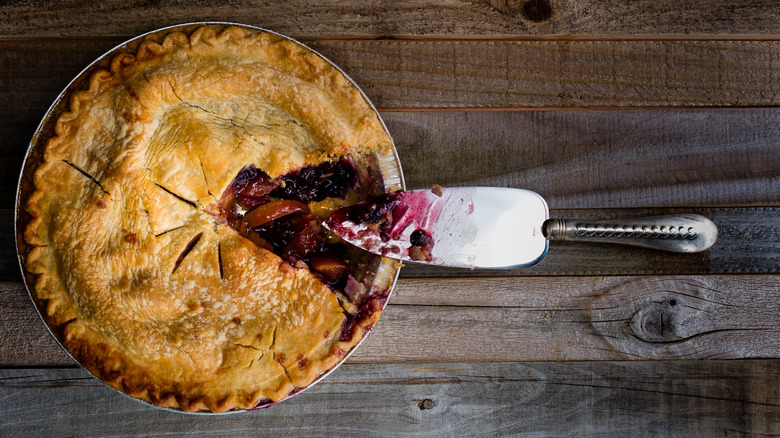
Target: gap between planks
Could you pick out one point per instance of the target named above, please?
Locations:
(478, 109)
(334, 39)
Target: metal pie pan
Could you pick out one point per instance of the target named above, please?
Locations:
(389, 169)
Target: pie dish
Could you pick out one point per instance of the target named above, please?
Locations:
(170, 236)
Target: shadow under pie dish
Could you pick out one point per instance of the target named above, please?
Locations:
(169, 217)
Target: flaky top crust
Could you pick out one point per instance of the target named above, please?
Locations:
(142, 282)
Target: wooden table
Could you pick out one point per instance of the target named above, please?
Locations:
(607, 108)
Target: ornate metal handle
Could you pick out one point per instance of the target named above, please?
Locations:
(676, 233)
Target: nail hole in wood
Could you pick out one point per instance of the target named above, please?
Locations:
(672, 302)
(537, 10)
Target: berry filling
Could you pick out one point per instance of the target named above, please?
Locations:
(310, 184)
(274, 213)
(422, 243)
(385, 217)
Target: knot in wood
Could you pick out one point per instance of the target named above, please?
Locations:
(537, 10)
(426, 404)
(660, 321)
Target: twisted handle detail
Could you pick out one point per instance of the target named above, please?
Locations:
(676, 233)
(641, 231)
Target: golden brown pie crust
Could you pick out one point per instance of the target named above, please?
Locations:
(129, 183)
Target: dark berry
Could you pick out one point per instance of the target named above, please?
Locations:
(244, 176)
(319, 182)
(418, 238)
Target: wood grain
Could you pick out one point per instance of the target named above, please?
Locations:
(668, 157)
(748, 242)
(561, 74)
(410, 18)
(398, 74)
(686, 398)
(16, 131)
(591, 159)
(523, 319)
(588, 318)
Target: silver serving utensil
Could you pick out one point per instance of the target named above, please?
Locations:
(492, 227)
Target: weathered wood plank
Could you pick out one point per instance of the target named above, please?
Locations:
(588, 318)
(561, 73)
(33, 74)
(414, 18)
(8, 253)
(523, 319)
(690, 398)
(16, 131)
(490, 74)
(589, 159)
(748, 242)
(575, 159)
(25, 332)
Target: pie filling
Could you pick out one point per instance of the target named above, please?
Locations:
(284, 215)
(384, 219)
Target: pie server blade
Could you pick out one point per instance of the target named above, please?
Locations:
(494, 227)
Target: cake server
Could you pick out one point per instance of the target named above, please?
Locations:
(493, 227)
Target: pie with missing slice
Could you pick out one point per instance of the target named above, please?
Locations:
(174, 236)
